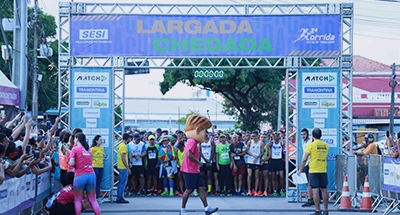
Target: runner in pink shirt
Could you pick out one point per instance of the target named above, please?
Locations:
(85, 179)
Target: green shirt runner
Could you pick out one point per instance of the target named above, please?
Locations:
(223, 154)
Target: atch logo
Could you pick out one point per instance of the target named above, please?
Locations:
(100, 78)
(319, 78)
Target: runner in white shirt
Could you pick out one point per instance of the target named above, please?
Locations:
(277, 163)
(137, 151)
(255, 150)
(305, 141)
(207, 154)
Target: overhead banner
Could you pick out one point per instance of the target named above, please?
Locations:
(92, 110)
(196, 35)
(391, 174)
(319, 94)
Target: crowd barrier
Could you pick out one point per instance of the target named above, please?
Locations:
(24, 194)
(391, 184)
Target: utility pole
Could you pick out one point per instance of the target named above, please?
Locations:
(35, 84)
(393, 84)
(279, 110)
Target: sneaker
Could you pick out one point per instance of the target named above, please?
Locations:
(253, 193)
(275, 194)
(237, 193)
(229, 194)
(216, 193)
(324, 212)
(265, 193)
(222, 193)
(177, 193)
(211, 210)
(122, 201)
(259, 193)
(100, 201)
(316, 213)
(195, 193)
(243, 193)
(171, 193)
(182, 212)
(165, 193)
(249, 193)
(155, 193)
(180, 194)
(282, 193)
(309, 203)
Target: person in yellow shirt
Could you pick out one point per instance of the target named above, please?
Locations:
(181, 154)
(123, 168)
(98, 163)
(318, 178)
(370, 147)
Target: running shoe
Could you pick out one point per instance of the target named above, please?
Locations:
(275, 194)
(171, 193)
(182, 212)
(165, 193)
(259, 193)
(254, 193)
(249, 193)
(211, 210)
(325, 212)
(265, 193)
(195, 193)
(316, 213)
(282, 193)
(309, 203)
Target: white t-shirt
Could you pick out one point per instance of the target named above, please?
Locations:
(206, 150)
(255, 149)
(137, 149)
(277, 151)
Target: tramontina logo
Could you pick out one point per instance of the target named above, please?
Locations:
(100, 78)
(311, 36)
(319, 78)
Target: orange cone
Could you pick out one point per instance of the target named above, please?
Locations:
(366, 202)
(345, 202)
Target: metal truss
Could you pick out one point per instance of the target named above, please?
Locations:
(342, 60)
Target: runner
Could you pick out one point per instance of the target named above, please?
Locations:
(136, 155)
(255, 150)
(307, 140)
(238, 150)
(224, 165)
(265, 165)
(181, 154)
(123, 168)
(166, 155)
(195, 131)
(317, 151)
(151, 165)
(207, 153)
(277, 163)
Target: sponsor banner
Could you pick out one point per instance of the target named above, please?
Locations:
(9, 96)
(319, 97)
(197, 35)
(391, 174)
(91, 91)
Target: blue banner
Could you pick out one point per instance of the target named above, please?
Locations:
(319, 107)
(91, 108)
(197, 35)
(391, 174)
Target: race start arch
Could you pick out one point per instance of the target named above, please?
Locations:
(313, 42)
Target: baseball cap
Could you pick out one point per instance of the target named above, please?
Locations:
(370, 136)
(222, 135)
(165, 138)
(158, 130)
(137, 136)
(151, 137)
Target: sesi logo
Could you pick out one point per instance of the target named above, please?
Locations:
(93, 34)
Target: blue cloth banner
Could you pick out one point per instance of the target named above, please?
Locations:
(319, 107)
(91, 109)
(196, 35)
(391, 174)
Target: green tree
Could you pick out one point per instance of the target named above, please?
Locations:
(251, 94)
(182, 120)
(117, 115)
(48, 88)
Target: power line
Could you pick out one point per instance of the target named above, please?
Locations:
(378, 37)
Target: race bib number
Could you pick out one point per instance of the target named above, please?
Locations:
(152, 155)
(236, 157)
(277, 155)
(225, 156)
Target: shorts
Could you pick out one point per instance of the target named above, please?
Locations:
(241, 170)
(152, 171)
(214, 168)
(276, 165)
(193, 180)
(137, 170)
(206, 168)
(305, 170)
(167, 172)
(264, 167)
(318, 180)
(253, 166)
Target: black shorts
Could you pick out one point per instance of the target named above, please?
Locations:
(264, 167)
(276, 165)
(137, 170)
(152, 171)
(206, 168)
(318, 180)
(214, 168)
(193, 180)
(253, 166)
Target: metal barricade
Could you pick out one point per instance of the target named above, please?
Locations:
(341, 171)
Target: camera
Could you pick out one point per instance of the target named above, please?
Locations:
(36, 153)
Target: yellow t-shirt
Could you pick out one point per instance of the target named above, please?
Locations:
(122, 149)
(180, 157)
(318, 151)
(372, 149)
(98, 156)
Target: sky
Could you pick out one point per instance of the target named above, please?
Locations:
(376, 36)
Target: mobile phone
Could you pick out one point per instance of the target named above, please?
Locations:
(387, 133)
(28, 149)
(398, 135)
(36, 154)
(3, 114)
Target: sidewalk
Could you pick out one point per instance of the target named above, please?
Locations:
(227, 205)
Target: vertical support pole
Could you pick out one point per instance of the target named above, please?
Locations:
(35, 82)
(393, 85)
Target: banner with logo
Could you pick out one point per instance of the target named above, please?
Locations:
(319, 94)
(92, 109)
(391, 174)
(196, 35)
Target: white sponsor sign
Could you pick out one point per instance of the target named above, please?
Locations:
(319, 92)
(328, 103)
(91, 78)
(100, 103)
(324, 131)
(320, 78)
(319, 113)
(87, 131)
(82, 103)
(331, 140)
(319, 123)
(85, 91)
(332, 131)
(104, 131)
(310, 103)
(96, 131)
(91, 123)
(91, 113)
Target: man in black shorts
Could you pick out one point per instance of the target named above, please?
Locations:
(318, 178)
(151, 165)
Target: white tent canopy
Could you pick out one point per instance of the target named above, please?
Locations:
(9, 93)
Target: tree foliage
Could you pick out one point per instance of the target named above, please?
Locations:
(48, 87)
(251, 94)
(182, 120)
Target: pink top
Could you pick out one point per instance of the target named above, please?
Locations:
(83, 160)
(189, 166)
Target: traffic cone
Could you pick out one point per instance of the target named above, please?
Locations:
(345, 202)
(366, 202)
